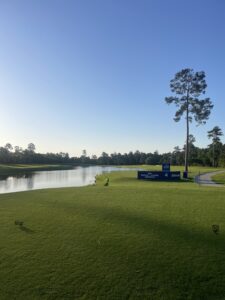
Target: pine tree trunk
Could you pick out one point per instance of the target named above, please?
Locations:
(187, 137)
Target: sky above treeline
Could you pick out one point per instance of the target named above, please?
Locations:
(93, 74)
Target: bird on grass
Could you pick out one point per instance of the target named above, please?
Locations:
(215, 228)
(106, 182)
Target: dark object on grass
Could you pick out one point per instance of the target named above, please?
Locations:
(19, 223)
(25, 229)
(21, 226)
(185, 175)
(215, 228)
(106, 182)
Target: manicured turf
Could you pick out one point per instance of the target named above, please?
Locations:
(130, 240)
(219, 178)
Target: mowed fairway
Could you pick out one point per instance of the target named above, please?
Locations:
(130, 240)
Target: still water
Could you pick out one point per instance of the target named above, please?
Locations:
(79, 176)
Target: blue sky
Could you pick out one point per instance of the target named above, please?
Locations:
(93, 74)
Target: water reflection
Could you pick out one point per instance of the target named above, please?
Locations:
(83, 175)
(79, 176)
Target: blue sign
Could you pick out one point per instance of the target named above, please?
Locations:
(158, 175)
(166, 167)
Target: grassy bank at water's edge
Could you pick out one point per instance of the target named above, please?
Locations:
(131, 240)
(219, 178)
(10, 169)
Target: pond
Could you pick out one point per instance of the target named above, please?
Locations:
(79, 176)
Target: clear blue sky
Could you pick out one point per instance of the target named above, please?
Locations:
(93, 74)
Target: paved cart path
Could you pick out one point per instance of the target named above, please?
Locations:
(206, 179)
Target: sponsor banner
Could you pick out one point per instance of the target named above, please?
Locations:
(166, 167)
(158, 175)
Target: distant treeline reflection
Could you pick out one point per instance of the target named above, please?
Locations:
(17, 175)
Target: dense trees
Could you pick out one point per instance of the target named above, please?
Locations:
(188, 86)
(216, 146)
(197, 156)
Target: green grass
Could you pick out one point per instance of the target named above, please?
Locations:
(9, 169)
(219, 178)
(131, 240)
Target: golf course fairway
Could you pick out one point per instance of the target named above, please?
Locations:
(130, 240)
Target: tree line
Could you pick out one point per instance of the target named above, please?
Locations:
(213, 155)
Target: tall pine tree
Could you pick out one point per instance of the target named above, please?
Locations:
(188, 86)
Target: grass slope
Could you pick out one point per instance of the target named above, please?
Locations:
(131, 240)
(9, 169)
(219, 178)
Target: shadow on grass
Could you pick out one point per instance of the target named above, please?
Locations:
(167, 230)
(132, 180)
(26, 229)
(189, 180)
(187, 276)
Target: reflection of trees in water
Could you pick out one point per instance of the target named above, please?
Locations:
(29, 177)
(23, 179)
(16, 181)
(3, 177)
(84, 174)
(18, 175)
(30, 182)
(43, 179)
(51, 176)
(5, 184)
